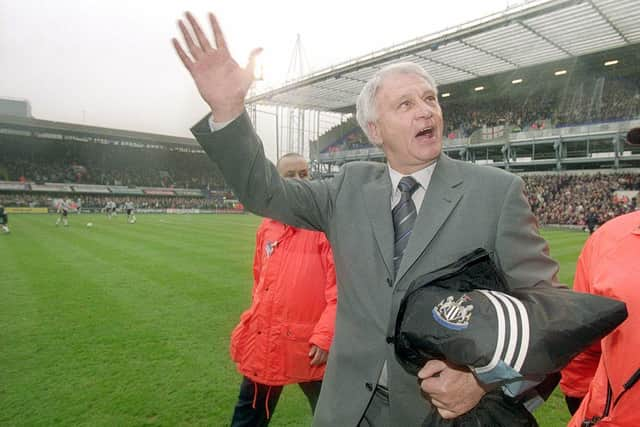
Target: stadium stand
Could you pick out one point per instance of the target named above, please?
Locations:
(44, 161)
(33, 160)
(550, 104)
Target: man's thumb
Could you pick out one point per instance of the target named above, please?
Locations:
(251, 65)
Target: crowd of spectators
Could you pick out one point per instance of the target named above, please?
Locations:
(39, 161)
(88, 163)
(343, 137)
(566, 198)
(464, 118)
(600, 101)
(585, 101)
(25, 200)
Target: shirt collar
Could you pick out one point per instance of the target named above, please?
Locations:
(423, 176)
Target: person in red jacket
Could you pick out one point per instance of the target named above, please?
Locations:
(284, 337)
(601, 384)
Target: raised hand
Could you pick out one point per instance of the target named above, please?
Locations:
(222, 83)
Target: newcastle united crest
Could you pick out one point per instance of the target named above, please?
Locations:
(453, 314)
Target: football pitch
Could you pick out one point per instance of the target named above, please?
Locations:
(128, 324)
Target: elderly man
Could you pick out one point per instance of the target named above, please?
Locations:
(387, 225)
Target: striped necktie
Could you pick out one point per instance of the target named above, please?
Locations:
(404, 216)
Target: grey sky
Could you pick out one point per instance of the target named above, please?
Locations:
(111, 63)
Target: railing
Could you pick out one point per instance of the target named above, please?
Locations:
(581, 130)
(376, 152)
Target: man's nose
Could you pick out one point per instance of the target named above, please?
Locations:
(424, 110)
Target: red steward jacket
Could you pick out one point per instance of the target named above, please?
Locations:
(293, 306)
(609, 265)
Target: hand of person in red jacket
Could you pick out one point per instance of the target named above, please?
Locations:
(318, 355)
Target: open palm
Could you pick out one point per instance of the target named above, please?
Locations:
(222, 83)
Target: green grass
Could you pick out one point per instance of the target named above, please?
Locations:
(128, 325)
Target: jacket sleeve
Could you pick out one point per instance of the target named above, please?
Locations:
(522, 253)
(577, 375)
(323, 332)
(239, 154)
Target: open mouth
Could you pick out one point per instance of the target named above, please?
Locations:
(427, 131)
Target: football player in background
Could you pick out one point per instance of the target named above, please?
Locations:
(131, 216)
(110, 209)
(63, 211)
(4, 220)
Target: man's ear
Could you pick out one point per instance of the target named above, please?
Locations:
(374, 133)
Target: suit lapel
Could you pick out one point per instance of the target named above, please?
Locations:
(377, 198)
(441, 197)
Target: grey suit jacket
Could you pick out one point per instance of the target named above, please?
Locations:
(465, 207)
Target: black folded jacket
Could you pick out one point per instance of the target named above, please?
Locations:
(466, 314)
(494, 410)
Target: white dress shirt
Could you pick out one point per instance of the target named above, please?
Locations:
(423, 177)
(215, 126)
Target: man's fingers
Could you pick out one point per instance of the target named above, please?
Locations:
(441, 407)
(318, 356)
(251, 65)
(431, 386)
(202, 39)
(188, 63)
(446, 414)
(435, 402)
(315, 352)
(431, 369)
(193, 49)
(221, 43)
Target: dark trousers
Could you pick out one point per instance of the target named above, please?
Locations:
(248, 414)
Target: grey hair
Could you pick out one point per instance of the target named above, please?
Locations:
(366, 102)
